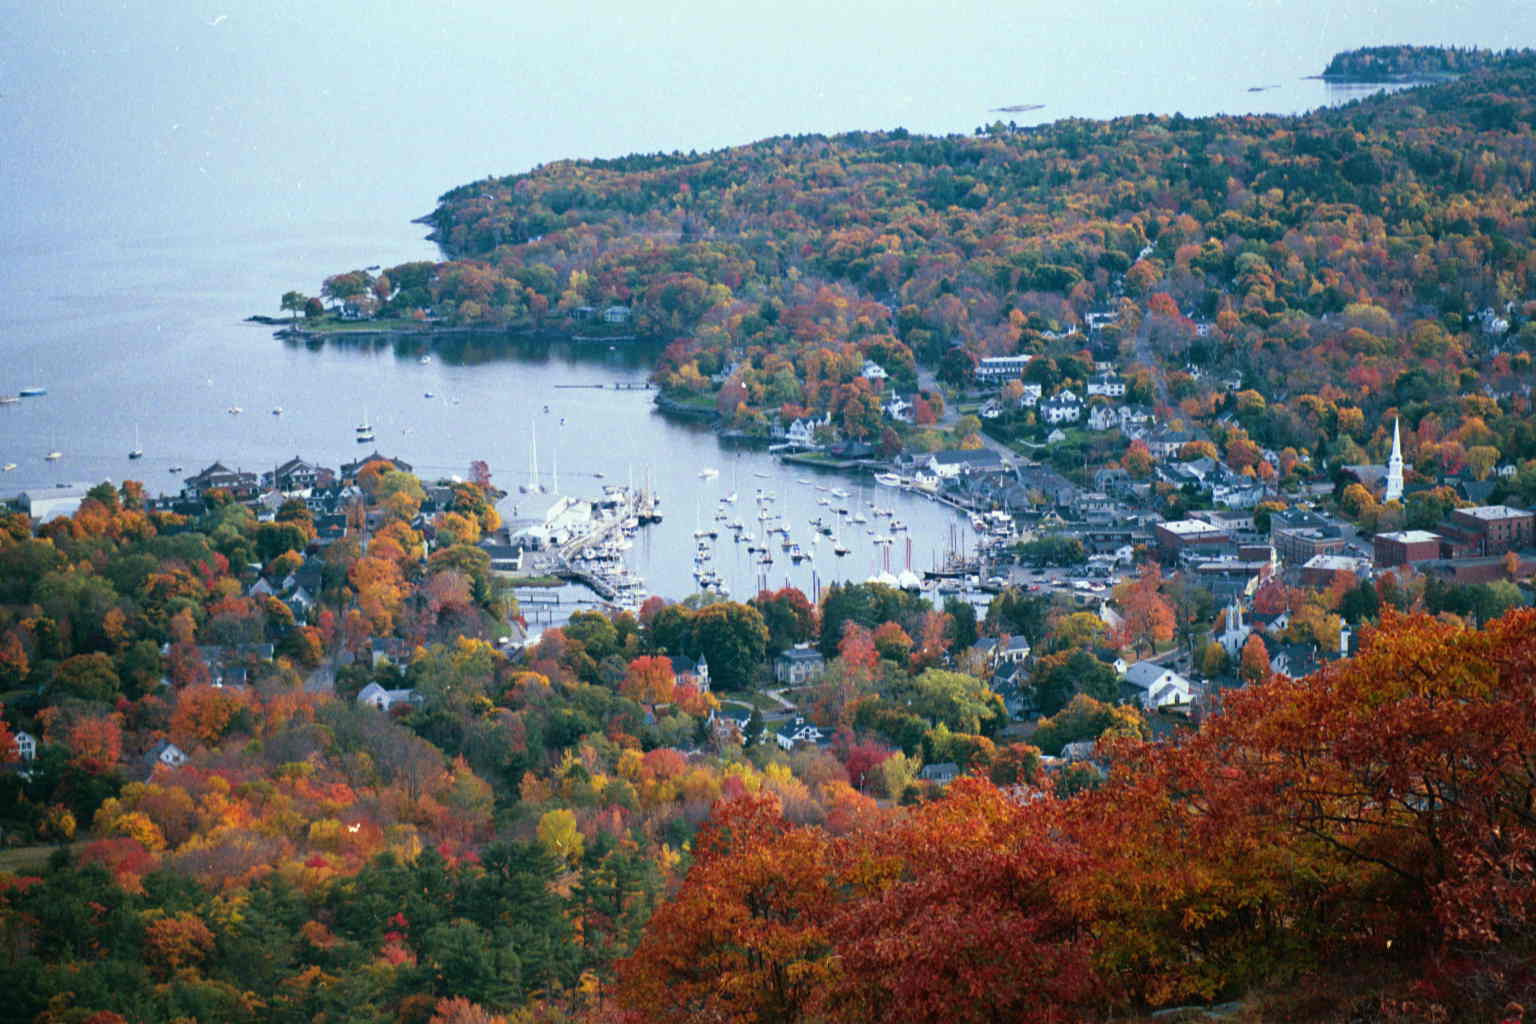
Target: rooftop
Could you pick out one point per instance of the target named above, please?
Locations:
(1490, 512)
(1189, 527)
(1334, 563)
(1410, 536)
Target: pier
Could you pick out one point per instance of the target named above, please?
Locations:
(584, 543)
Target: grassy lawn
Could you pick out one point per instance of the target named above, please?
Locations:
(748, 699)
(27, 858)
(695, 402)
(335, 325)
(530, 581)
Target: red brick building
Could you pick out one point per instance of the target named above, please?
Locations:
(1493, 529)
(1405, 547)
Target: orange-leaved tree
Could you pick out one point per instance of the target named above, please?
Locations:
(745, 938)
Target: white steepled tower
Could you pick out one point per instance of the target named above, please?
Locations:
(1395, 465)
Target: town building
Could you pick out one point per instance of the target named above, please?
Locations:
(1154, 686)
(799, 665)
(376, 696)
(1107, 384)
(165, 753)
(298, 475)
(1299, 536)
(1065, 407)
(1178, 538)
(950, 464)
(997, 369)
(796, 732)
(1405, 547)
(349, 470)
(1490, 529)
(219, 477)
(1394, 485)
(1320, 570)
(48, 503)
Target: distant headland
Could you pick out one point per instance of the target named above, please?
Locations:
(1412, 63)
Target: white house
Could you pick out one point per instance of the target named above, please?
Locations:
(300, 601)
(1153, 686)
(873, 371)
(26, 746)
(798, 731)
(1107, 384)
(950, 464)
(691, 673)
(167, 753)
(1015, 651)
(1065, 407)
(1103, 417)
(899, 409)
(383, 699)
(803, 431)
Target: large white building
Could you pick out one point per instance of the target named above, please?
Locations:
(996, 369)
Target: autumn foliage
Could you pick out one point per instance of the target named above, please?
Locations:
(1376, 813)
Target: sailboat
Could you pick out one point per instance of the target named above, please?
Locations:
(54, 455)
(136, 452)
(532, 486)
(364, 430)
(838, 547)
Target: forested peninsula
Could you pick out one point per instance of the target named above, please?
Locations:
(1402, 63)
(1343, 264)
(265, 768)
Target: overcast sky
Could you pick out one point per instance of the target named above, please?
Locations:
(124, 117)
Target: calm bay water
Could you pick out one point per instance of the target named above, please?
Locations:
(146, 343)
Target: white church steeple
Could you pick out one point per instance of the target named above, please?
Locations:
(1395, 465)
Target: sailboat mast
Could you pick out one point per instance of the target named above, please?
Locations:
(533, 458)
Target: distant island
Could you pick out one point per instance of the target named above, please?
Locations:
(1400, 62)
(1017, 108)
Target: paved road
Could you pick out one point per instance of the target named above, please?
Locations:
(927, 381)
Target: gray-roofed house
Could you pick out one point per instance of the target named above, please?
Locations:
(795, 732)
(799, 665)
(375, 695)
(1154, 686)
(167, 753)
(942, 773)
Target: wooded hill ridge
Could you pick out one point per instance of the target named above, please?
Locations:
(1386, 63)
